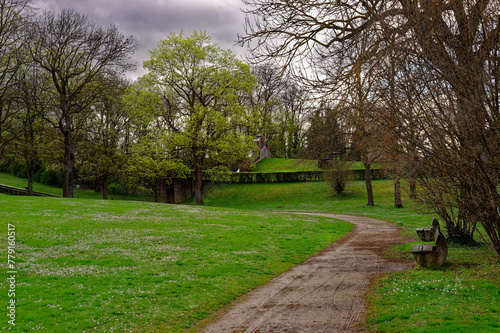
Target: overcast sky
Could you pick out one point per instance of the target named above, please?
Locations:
(153, 20)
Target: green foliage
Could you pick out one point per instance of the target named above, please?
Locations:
(325, 134)
(275, 177)
(219, 174)
(95, 265)
(202, 84)
(17, 168)
(150, 162)
(115, 188)
(51, 177)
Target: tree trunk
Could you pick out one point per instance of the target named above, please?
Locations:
(368, 182)
(413, 188)
(69, 155)
(30, 171)
(198, 186)
(155, 190)
(398, 203)
(105, 188)
(198, 181)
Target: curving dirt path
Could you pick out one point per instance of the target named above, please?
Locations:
(325, 293)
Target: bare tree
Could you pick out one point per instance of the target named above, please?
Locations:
(454, 44)
(29, 131)
(75, 52)
(12, 39)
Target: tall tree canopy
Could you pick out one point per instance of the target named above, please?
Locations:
(200, 88)
(77, 55)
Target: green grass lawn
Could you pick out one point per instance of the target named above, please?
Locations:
(461, 296)
(116, 266)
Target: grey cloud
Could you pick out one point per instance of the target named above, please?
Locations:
(153, 20)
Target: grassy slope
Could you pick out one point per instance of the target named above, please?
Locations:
(7, 179)
(461, 296)
(285, 165)
(117, 266)
(295, 165)
(10, 180)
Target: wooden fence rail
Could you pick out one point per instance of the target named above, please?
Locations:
(21, 191)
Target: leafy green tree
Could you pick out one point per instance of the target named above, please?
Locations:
(102, 158)
(200, 86)
(150, 162)
(325, 134)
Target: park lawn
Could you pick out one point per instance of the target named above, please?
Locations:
(461, 296)
(116, 266)
(316, 197)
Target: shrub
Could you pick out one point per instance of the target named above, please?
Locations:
(337, 175)
(51, 177)
(18, 169)
(115, 188)
(38, 174)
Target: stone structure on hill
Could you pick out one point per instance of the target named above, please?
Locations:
(263, 145)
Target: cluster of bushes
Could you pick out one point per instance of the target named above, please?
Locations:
(42, 175)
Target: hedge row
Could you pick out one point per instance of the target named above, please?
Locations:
(291, 177)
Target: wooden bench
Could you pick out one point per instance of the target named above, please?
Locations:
(427, 255)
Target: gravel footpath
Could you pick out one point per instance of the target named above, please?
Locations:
(326, 293)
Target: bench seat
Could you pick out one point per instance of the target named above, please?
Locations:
(419, 248)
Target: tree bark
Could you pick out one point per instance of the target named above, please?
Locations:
(155, 190)
(398, 203)
(105, 188)
(368, 182)
(413, 188)
(198, 181)
(30, 171)
(198, 186)
(69, 154)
